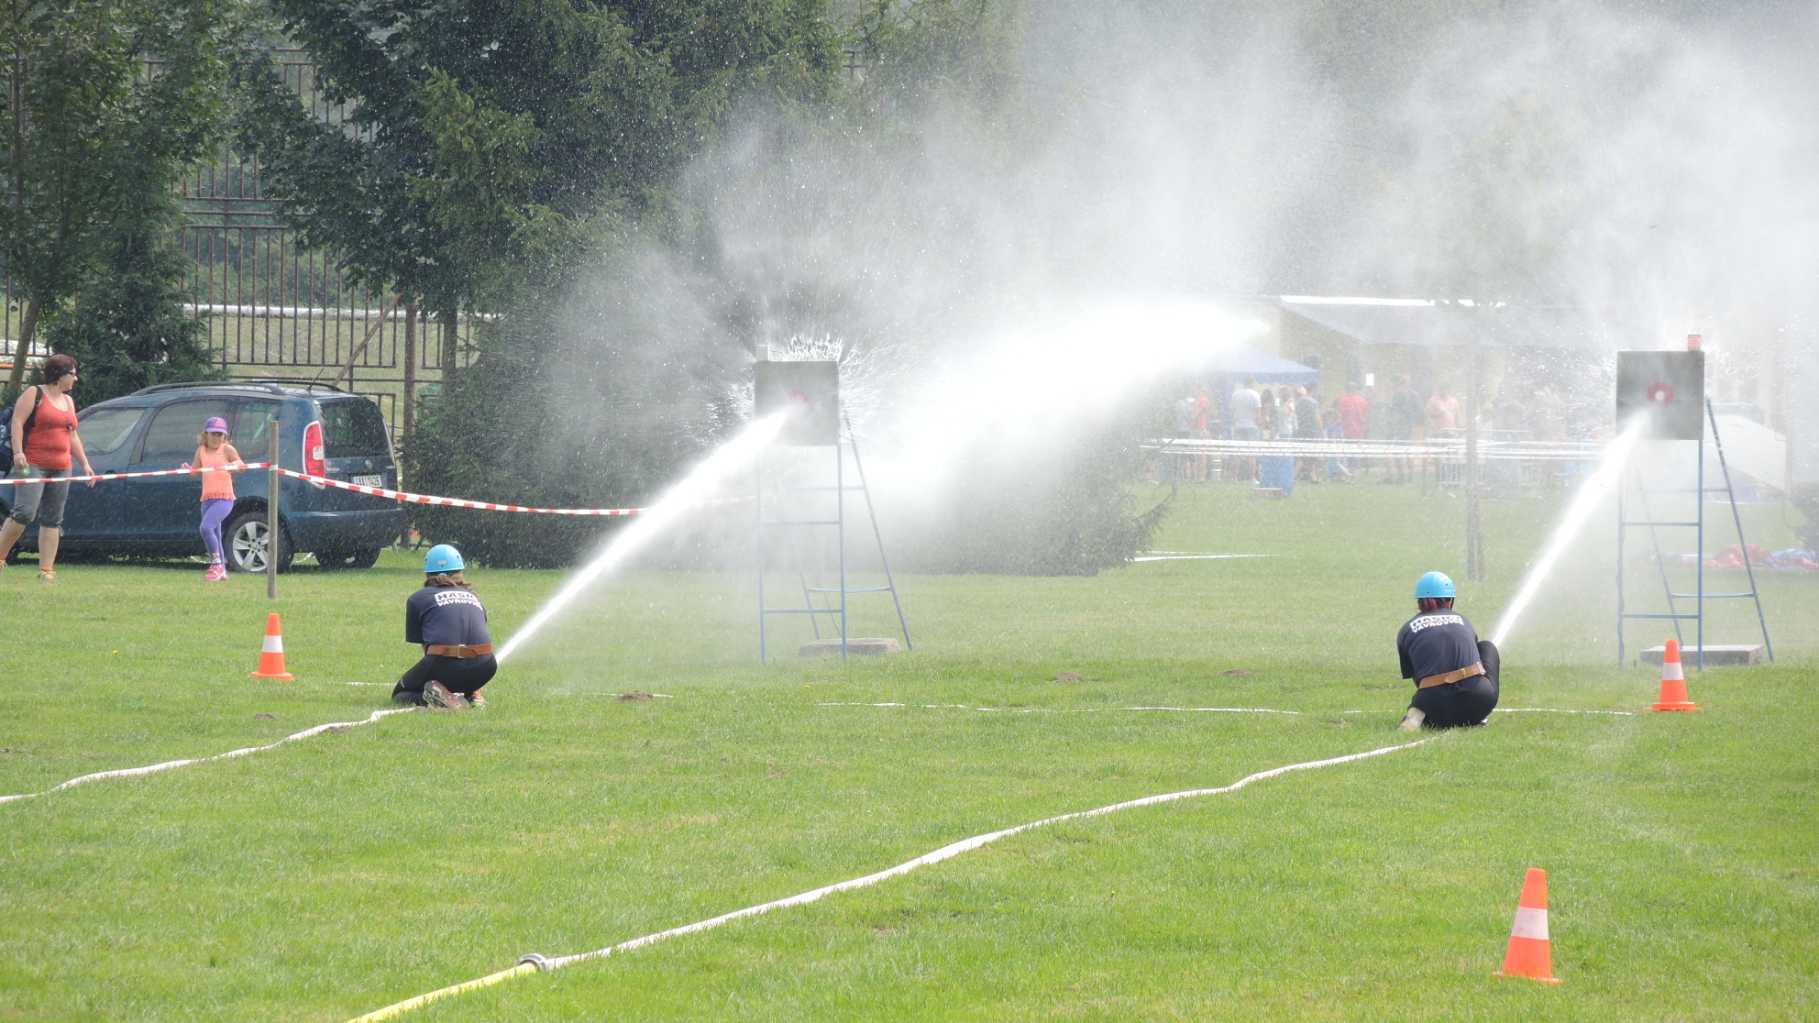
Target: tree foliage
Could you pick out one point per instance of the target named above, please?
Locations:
(106, 103)
(1070, 511)
(490, 154)
(128, 329)
(583, 422)
(528, 161)
(486, 145)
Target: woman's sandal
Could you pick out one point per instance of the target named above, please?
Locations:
(46, 577)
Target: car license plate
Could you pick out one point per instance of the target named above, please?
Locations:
(368, 481)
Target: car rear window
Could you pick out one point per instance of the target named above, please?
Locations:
(353, 428)
(251, 419)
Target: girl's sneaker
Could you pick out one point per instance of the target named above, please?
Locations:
(216, 573)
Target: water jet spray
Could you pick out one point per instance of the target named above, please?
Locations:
(698, 485)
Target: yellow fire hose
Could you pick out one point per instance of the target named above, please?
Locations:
(529, 965)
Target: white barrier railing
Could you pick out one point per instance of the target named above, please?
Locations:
(1322, 447)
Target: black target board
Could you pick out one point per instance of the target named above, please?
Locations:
(809, 391)
(1669, 387)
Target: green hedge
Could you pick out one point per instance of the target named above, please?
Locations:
(1069, 510)
(592, 423)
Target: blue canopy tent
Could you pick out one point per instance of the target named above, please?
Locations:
(1227, 369)
(1224, 370)
(1234, 366)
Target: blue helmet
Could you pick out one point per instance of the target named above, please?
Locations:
(445, 558)
(1433, 584)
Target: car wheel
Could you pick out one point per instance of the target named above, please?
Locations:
(364, 558)
(246, 541)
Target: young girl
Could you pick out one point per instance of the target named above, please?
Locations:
(214, 452)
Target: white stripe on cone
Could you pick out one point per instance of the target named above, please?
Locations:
(1530, 923)
(1672, 672)
(272, 645)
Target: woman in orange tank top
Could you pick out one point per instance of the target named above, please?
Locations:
(214, 452)
(43, 452)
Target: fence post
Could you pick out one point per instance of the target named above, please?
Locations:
(1474, 528)
(271, 510)
(408, 413)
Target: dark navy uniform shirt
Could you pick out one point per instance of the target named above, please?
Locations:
(445, 614)
(1436, 642)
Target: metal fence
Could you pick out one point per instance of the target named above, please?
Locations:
(1506, 464)
(276, 309)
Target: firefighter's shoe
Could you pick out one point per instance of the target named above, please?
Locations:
(437, 695)
(1411, 722)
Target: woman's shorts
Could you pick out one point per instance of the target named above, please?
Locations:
(40, 501)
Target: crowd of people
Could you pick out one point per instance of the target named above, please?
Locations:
(1253, 411)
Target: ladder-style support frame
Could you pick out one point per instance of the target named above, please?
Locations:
(1699, 595)
(837, 595)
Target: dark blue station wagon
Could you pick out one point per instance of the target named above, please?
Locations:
(322, 430)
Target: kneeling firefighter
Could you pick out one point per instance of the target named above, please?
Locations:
(448, 619)
(1455, 672)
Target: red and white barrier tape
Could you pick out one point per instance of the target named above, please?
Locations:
(406, 497)
(401, 496)
(16, 480)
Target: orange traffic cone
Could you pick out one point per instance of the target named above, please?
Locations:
(271, 654)
(1530, 954)
(1673, 681)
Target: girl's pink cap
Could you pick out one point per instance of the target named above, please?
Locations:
(215, 424)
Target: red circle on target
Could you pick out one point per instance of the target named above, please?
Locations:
(1662, 393)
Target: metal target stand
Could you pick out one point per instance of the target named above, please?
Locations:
(1669, 387)
(808, 393)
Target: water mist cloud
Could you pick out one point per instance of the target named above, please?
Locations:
(1650, 166)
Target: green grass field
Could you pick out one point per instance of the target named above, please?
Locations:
(338, 874)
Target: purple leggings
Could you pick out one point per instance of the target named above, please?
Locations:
(213, 514)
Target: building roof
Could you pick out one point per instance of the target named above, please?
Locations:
(1448, 324)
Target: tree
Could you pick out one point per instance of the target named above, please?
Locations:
(128, 328)
(106, 103)
(638, 365)
(491, 153)
(486, 146)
